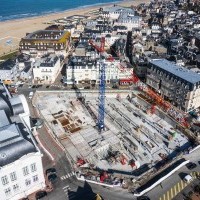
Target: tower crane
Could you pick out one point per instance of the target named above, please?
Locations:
(172, 111)
(101, 109)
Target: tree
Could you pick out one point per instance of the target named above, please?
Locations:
(197, 189)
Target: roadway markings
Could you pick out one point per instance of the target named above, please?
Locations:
(67, 176)
(69, 193)
(173, 191)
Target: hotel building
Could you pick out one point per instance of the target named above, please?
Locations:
(177, 84)
(21, 170)
(45, 41)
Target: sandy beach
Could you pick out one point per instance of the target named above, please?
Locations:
(16, 29)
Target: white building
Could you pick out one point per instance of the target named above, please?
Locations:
(115, 11)
(8, 71)
(86, 70)
(21, 171)
(130, 21)
(46, 68)
(26, 73)
(122, 17)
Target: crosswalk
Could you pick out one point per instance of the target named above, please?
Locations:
(68, 192)
(59, 86)
(64, 177)
(178, 187)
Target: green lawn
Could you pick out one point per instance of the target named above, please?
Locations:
(7, 56)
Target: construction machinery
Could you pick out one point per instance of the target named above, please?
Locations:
(172, 111)
(103, 54)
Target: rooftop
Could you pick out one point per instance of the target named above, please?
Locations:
(181, 72)
(7, 65)
(46, 61)
(15, 138)
(119, 9)
(45, 34)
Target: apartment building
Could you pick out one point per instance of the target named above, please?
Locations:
(86, 70)
(46, 69)
(45, 41)
(8, 71)
(115, 11)
(129, 21)
(177, 84)
(21, 170)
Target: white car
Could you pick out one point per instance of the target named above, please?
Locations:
(30, 96)
(188, 178)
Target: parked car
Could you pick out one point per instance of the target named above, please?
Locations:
(21, 85)
(87, 87)
(191, 165)
(52, 177)
(30, 96)
(188, 178)
(40, 194)
(51, 171)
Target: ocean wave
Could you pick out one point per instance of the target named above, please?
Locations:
(27, 15)
(18, 16)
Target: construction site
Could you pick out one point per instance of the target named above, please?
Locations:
(132, 137)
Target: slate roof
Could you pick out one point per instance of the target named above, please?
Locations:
(13, 145)
(178, 71)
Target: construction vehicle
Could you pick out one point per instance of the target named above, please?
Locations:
(80, 162)
(172, 111)
(103, 176)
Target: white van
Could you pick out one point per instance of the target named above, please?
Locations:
(30, 96)
(188, 178)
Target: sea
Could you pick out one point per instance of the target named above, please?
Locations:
(16, 9)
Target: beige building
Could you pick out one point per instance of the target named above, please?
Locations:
(177, 84)
(45, 41)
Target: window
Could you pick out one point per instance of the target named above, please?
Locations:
(7, 191)
(25, 171)
(27, 182)
(13, 176)
(15, 187)
(35, 178)
(33, 167)
(4, 180)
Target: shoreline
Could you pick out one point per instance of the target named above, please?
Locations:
(16, 29)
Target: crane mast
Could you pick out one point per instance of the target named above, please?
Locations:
(102, 79)
(101, 110)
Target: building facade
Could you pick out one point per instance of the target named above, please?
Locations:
(8, 71)
(46, 69)
(45, 41)
(115, 11)
(129, 21)
(21, 170)
(85, 69)
(177, 84)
